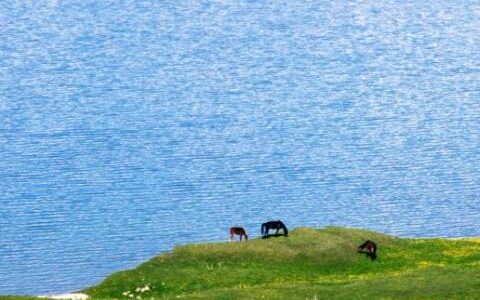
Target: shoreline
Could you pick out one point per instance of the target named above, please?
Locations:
(78, 295)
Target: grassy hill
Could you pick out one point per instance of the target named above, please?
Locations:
(309, 264)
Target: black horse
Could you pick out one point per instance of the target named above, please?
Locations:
(369, 248)
(273, 225)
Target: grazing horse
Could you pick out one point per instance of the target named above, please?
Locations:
(273, 225)
(370, 248)
(238, 231)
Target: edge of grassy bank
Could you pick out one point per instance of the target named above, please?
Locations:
(309, 263)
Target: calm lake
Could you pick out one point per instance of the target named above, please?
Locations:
(129, 127)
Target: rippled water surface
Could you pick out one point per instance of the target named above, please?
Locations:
(128, 127)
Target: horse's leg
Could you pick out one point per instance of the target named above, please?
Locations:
(374, 252)
(231, 237)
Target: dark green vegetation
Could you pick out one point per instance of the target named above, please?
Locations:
(309, 264)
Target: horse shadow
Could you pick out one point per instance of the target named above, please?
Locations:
(272, 235)
(372, 256)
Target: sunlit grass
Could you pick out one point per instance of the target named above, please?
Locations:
(309, 264)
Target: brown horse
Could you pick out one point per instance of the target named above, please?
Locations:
(238, 231)
(370, 248)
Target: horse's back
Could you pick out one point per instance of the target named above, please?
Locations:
(237, 230)
(272, 223)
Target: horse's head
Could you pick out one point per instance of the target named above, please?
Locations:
(285, 230)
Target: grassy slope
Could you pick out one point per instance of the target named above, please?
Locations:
(17, 298)
(310, 264)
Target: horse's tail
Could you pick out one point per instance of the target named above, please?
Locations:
(263, 228)
(245, 233)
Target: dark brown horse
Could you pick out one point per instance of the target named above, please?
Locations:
(238, 231)
(277, 225)
(369, 248)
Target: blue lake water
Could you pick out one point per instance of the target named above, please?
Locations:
(129, 127)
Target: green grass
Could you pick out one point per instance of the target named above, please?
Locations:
(309, 264)
(17, 298)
